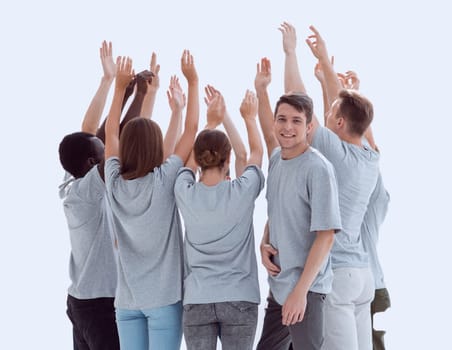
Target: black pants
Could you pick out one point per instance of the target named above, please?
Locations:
(380, 303)
(93, 323)
(307, 334)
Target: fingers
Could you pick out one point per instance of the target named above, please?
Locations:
(267, 251)
(289, 317)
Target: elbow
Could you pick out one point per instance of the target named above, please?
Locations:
(241, 156)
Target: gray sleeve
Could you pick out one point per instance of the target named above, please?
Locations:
(184, 181)
(167, 172)
(252, 180)
(324, 199)
(111, 172)
(275, 153)
(91, 187)
(329, 144)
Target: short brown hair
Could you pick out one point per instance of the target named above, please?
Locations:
(140, 148)
(300, 101)
(212, 148)
(357, 110)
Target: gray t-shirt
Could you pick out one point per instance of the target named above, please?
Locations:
(302, 199)
(149, 236)
(356, 171)
(375, 215)
(92, 266)
(219, 237)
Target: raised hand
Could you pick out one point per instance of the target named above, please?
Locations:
(188, 67)
(289, 37)
(317, 45)
(106, 58)
(176, 96)
(248, 108)
(263, 74)
(216, 110)
(144, 81)
(124, 72)
(155, 69)
(211, 92)
(318, 71)
(351, 80)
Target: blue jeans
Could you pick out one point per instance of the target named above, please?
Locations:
(157, 328)
(233, 322)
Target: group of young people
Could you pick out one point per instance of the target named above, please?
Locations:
(140, 280)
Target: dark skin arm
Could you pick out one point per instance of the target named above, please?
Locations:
(129, 91)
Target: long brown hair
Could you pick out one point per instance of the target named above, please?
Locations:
(140, 148)
(212, 148)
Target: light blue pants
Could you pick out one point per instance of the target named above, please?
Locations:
(151, 329)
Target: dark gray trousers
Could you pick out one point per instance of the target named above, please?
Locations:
(233, 322)
(380, 303)
(305, 335)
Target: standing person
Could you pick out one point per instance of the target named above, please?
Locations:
(140, 190)
(221, 287)
(303, 216)
(92, 266)
(347, 321)
(374, 217)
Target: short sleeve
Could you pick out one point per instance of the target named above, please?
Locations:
(111, 174)
(329, 144)
(184, 181)
(324, 198)
(167, 172)
(252, 180)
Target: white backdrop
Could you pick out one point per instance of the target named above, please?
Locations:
(51, 70)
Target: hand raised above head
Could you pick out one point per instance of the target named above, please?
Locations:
(289, 37)
(248, 108)
(188, 67)
(263, 74)
(106, 58)
(124, 72)
(216, 110)
(155, 69)
(211, 92)
(176, 96)
(144, 80)
(351, 80)
(317, 45)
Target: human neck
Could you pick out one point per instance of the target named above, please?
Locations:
(212, 176)
(289, 153)
(354, 140)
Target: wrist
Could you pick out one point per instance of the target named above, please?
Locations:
(107, 80)
(211, 125)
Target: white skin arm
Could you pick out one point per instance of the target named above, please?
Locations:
(185, 144)
(176, 101)
(292, 76)
(318, 72)
(95, 109)
(261, 82)
(149, 99)
(236, 141)
(318, 48)
(216, 109)
(248, 111)
(124, 75)
(294, 307)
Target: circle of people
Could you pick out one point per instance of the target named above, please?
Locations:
(139, 282)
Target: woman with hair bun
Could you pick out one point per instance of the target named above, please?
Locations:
(221, 288)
